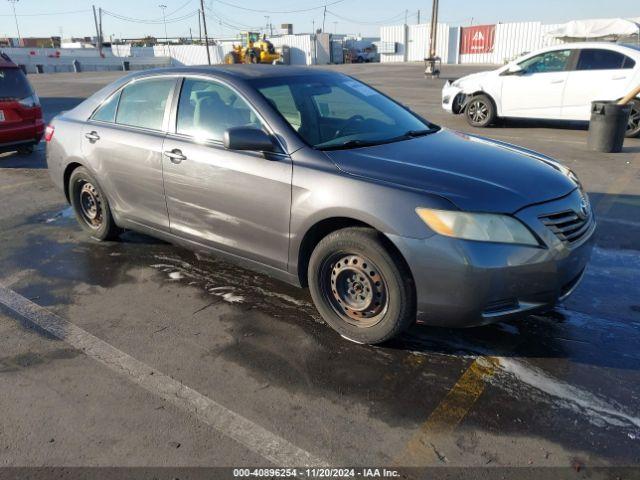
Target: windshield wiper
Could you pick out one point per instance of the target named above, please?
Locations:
(349, 144)
(419, 133)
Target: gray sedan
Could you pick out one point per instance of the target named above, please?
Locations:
(322, 181)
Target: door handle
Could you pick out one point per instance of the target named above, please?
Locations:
(557, 81)
(619, 77)
(175, 156)
(92, 136)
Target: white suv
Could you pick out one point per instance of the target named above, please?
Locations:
(558, 83)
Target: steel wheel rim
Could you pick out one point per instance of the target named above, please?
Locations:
(355, 288)
(90, 205)
(478, 111)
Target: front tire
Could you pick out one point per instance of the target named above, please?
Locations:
(91, 206)
(480, 111)
(363, 290)
(633, 127)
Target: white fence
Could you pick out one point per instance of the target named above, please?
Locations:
(412, 42)
(511, 40)
(302, 51)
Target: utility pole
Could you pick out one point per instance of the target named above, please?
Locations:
(13, 4)
(95, 19)
(101, 39)
(406, 15)
(431, 61)
(199, 26)
(418, 17)
(324, 16)
(206, 37)
(335, 27)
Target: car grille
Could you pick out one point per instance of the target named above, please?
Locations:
(568, 225)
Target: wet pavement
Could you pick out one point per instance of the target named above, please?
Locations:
(559, 389)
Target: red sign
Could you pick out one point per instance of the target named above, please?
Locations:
(478, 39)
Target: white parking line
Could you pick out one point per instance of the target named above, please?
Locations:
(257, 439)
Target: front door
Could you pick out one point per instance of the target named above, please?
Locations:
(236, 201)
(536, 92)
(122, 142)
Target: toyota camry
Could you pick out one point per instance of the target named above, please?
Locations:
(320, 180)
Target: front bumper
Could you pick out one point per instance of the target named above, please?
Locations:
(462, 283)
(451, 98)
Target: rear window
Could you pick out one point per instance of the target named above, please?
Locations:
(14, 84)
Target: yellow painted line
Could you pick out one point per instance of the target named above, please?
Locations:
(419, 450)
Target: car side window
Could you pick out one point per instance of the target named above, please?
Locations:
(600, 59)
(107, 111)
(554, 61)
(142, 103)
(206, 109)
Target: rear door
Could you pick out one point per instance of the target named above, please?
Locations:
(236, 201)
(536, 92)
(599, 74)
(123, 144)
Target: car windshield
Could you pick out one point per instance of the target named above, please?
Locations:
(13, 84)
(336, 112)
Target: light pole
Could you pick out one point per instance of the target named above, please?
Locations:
(164, 19)
(13, 4)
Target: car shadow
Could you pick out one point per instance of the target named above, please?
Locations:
(35, 160)
(531, 123)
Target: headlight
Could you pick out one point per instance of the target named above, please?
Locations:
(486, 227)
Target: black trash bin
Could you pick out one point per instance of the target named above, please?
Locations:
(607, 126)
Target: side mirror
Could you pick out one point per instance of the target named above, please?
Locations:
(248, 138)
(514, 69)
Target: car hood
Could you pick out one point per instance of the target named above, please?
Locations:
(474, 77)
(474, 173)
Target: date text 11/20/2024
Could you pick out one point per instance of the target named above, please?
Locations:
(316, 472)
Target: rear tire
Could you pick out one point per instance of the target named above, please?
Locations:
(633, 128)
(91, 206)
(480, 111)
(362, 290)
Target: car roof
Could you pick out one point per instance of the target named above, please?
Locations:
(620, 47)
(241, 71)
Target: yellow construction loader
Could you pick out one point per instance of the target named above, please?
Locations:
(252, 50)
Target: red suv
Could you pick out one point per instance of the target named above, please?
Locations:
(21, 123)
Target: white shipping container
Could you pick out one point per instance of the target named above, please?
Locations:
(394, 34)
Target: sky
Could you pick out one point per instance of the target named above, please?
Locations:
(225, 18)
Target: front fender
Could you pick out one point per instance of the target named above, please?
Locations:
(320, 194)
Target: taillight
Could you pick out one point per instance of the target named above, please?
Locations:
(48, 133)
